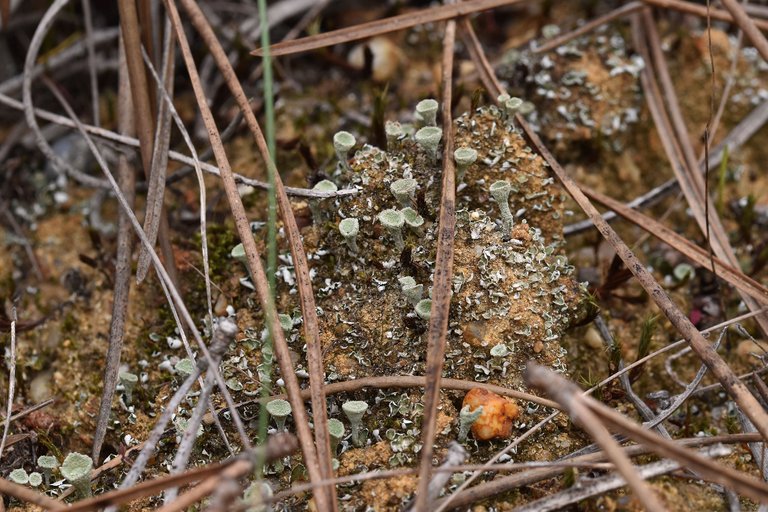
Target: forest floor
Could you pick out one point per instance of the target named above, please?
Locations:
(572, 305)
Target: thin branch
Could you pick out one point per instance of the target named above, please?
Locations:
(27, 495)
(569, 396)
(161, 143)
(589, 487)
(10, 362)
(190, 435)
(700, 10)
(682, 397)
(254, 262)
(720, 369)
(441, 286)
(301, 267)
(167, 102)
(748, 26)
(588, 27)
(126, 176)
(143, 103)
(385, 26)
(60, 59)
(94, 81)
(173, 155)
(407, 382)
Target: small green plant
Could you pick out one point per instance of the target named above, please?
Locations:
(426, 112)
(394, 132)
(500, 191)
(279, 409)
(511, 106)
(464, 157)
(349, 228)
(684, 272)
(35, 479)
(76, 469)
(393, 220)
(466, 419)
(424, 309)
(342, 143)
(185, 367)
(404, 190)
(336, 430)
(411, 290)
(355, 410)
(428, 138)
(48, 463)
(286, 322)
(19, 476)
(499, 350)
(314, 203)
(413, 219)
(238, 253)
(128, 381)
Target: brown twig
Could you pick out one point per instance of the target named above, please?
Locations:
(441, 286)
(678, 146)
(11, 362)
(748, 26)
(127, 181)
(693, 252)
(588, 27)
(569, 396)
(720, 369)
(132, 142)
(254, 261)
(160, 145)
(277, 446)
(385, 26)
(301, 267)
(237, 470)
(407, 382)
(28, 495)
(700, 10)
(143, 113)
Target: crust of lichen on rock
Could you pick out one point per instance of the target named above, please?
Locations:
(515, 290)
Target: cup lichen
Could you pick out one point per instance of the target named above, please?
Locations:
(426, 111)
(349, 228)
(464, 157)
(76, 469)
(279, 409)
(393, 220)
(355, 410)
(500, 191)
(428, 138)
(342, 143)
